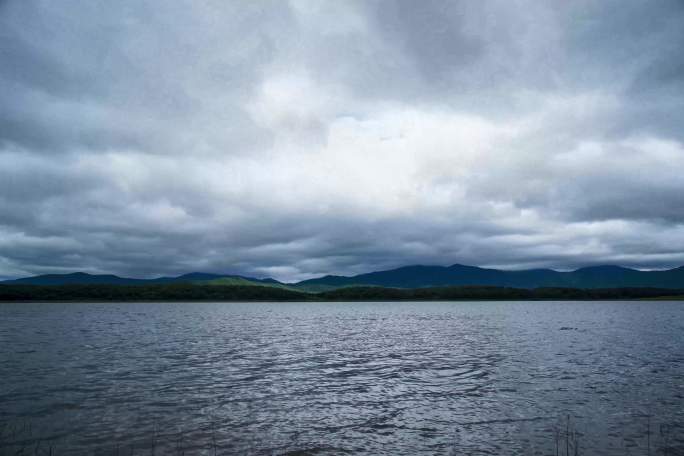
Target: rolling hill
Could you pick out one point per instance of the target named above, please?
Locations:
(82, 278)
(460, 275)
(409, 277)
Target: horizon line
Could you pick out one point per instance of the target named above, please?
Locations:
(323, 275)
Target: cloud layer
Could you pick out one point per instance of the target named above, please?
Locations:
(290, 139)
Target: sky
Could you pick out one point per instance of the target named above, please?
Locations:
(297, 138)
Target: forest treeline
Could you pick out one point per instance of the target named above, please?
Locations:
(193, 292)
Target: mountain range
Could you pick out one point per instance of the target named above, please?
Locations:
(417, 276)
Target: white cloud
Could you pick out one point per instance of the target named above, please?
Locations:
(305, 138)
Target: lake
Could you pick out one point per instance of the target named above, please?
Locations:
(382, 378)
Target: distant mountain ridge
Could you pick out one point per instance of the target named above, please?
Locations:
(82, 278)
(460, 275)
(416, 276)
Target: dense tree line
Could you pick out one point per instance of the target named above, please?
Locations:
(492, 293)
(190, 292)
(167, 292)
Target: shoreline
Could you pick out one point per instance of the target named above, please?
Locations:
(239, 293)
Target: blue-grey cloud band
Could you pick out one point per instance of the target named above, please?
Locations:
(291, 139)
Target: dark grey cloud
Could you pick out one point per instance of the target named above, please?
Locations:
(295, 138)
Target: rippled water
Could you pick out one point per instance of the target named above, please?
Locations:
(343, 378)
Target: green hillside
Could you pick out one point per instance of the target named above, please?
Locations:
(241, 281)
(300, 287)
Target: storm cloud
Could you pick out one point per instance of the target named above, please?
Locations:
(293, 139)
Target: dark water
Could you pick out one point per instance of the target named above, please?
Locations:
(343, 378)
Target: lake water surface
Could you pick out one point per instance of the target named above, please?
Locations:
(453, 378)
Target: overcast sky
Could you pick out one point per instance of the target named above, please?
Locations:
(293, 139)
